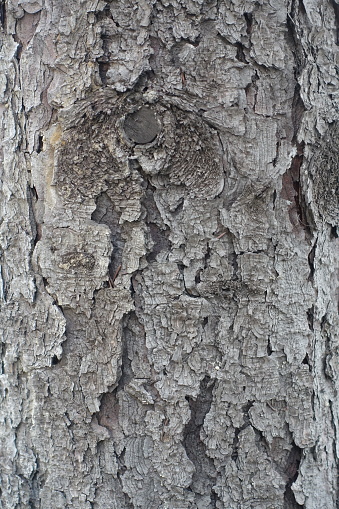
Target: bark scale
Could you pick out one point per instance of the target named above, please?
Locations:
(168, 231)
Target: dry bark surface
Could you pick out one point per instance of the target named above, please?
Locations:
(167, 240)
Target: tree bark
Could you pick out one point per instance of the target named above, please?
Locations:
(168, 261)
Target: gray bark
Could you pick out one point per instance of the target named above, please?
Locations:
(167, 235)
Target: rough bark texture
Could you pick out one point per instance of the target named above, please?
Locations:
(167, 239)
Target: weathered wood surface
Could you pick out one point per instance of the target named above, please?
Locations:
(167, 239)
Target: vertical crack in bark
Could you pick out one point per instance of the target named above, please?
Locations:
(311, 258)
(336, 14)
(269, 347)
(310, 318)
(40, 144)
(295, 176)
(32, 198)
(292, 191)
(205, 472)
(249, 22)
(298, 110)
(35, 484)
(292, 180)
(297, 11)
(3, 13)
(334, 444)
(292, 472)
(240, 55)
(158, 231)
(104, 60)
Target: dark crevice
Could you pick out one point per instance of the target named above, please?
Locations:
(237, 431)
(3, 349)
(299, 213)
(188, 291)
(274, 198)
(36, 483)
(234, 262)
(298, 110)
(205, 474)
(334, 444)
(235, 444)
(311, 258)
(290, 501)
(104, 13)
(297, 11)
(45, 283)
(121, 470)
(158, 231)
(197, 277)
(194, 43)
(55, 360)
(121, 462)
(295, 174)
(207, 256)
(40, 146)
(109, 411)
(215, 500)
(18, 50)
(104, 59)
(103, 69)
(32, 198)
(277, 149)
(3, 13)
(249, 22)
(269, 347)
(36, 227)
(261, 441)
(132, 356)
(336, 14)
(334, 232)
(292, 471)
(310, 318)
(240, 55)
(179, 208)
(306, 361)
(292, 191)
(126, 359)
(206, 260)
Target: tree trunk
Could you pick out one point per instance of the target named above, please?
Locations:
(168, 254)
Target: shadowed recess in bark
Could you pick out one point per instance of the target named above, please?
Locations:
(36, 483)
(336, 13)
(158, 231)
(293, 192)
(2, 13)
(292, 472)
(205, 473)
(235, 445)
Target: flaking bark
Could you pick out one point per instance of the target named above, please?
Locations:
(167, 242)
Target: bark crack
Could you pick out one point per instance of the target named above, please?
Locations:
(292, 472)
(205, 472)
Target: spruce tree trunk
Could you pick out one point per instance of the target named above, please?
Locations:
(168, 212)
